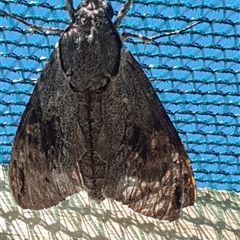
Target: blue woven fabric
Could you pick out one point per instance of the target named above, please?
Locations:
(195, 74)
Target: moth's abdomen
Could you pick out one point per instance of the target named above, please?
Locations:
(92, 163)
(93, 170)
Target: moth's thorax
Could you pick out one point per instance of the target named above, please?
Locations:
(90, 50)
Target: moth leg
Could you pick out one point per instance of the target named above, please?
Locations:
(122, 13)
(31, 26)
(70, 8)
(125, 35)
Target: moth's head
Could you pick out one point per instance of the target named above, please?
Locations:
(91, 7)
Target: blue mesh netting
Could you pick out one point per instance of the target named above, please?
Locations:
(195, 74)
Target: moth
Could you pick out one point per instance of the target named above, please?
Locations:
(94, 122)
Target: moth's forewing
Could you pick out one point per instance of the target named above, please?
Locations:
(46, 146)
(158, 179)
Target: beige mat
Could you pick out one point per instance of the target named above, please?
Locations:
(216, 215)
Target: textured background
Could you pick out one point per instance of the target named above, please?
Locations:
(196, 74)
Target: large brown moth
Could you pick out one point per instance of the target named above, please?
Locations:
(94, 122)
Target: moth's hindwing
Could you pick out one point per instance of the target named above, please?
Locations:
(95, 122)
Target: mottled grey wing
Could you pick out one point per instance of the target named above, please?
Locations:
(42, 169)
(155, 176)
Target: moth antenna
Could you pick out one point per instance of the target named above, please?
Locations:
(181, 31)
(32, 27)
(70, 9)
(123, 12)
(146, 40)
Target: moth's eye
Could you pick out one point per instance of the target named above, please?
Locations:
(109, 11)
